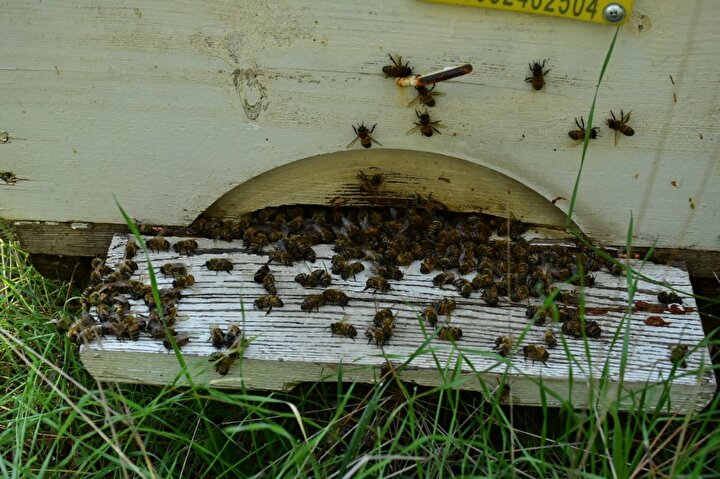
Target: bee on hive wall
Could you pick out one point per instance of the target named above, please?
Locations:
(426, 126)
(620, 125)
(370, 184)
(363, 134)
(538, 75)
(425, 95)
(397, 69)
(579, 135)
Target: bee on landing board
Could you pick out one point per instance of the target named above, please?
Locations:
(217, 337)
(187, 247)
(425, 95)
(158, 243)
(620, 125)
(538, 75)
(370, 183)
(268, 301)
(397, 69)
(343, 328)
(504, 345)
(363, 134)
(579, 135)
(536, 353)
(377, 283)
(219, 264)
(450, 333)
(426, 126)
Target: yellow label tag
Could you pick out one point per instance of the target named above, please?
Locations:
(585, 10)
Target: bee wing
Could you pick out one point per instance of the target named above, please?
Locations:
(616, 137)
(414, 100)
(412, 130)
(375, 141)
(352, 142)
(437, 124)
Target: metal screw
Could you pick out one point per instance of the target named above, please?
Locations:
(614, 13)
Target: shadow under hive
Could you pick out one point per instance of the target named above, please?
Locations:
(289, 345)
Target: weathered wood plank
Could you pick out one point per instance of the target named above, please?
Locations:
(290, 346)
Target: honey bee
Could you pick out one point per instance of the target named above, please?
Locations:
(464, 287)
(173, 269)
(550, 338)
(426, 126)
(377, 335)
(158, 243)
(397, 69)
(430, 315)
(579, 135)
(269, 301)
(538, 75)
(223, 362)
(587, 280)
(377, 283)
(385, 319)
(519, 293)
(260, 274)
(370, 184)
(348, 269)
(318, 277)
(188, 246)
(281, 256)
(217, 337)
(232, 334)
(313, 301)
(669, 298)
(390, 272)
(491, 296)
(363, 134)
(343, 328)
(133, 324)
(131, 249)
(336, 297)
(536, 353)
(620, 125)
(574, 328)
(482, 280)
(257, 242)
(183, 281)
(181, 339)
(219, 264)
(446, 277)
(450, 333)
(445, 306)
(269, 284)
(504, 345)
(428, 264)
(425, 95)
(678, 353)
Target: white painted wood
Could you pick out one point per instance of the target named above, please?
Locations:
(94, 91)
(290, 346)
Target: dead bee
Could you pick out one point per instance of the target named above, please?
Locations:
(370, 184)
(550, 338)
(232, 334)
(131, 248)
(314, 301)
(188, 246)
(445, 306)
(223, 362)
(504, 345)
(538, 75)
(669, 298)
(343, 328)
(219, 264)
(425, 95)
(269, 284)
(336, 297)
(446, 277)
(397, 69)
(620, 125)
(173, 269)
(158, 243)
(181, 339)
(574, 328)
(450, 333)
(430, 315)
(491, 296)
(519, 293)
(426, 126)
(536, 353)
(269, 301)
(678, 353)
(217, 337)
(348, 269)
(183, 281)
(363, 134)
(579, 135)
(464, 287)
(377, 283)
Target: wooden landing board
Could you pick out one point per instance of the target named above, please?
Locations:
(290, 346)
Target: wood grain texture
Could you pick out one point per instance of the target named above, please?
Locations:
(290, 346)
(170, 105)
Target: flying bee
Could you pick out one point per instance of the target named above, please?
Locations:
(620, 125)
(370, 184)
(217, 337)
(579, 135)
(363, 134)
(183, 281)
(173, 269)
(464, 287)
(669, 298)
(131, 248)
(425, 95)
(269, 301)
(223, 362)
(450, 333)
(181, 339)
(232, 334)
(536, 353)
(377, 283)
(426, 126)
(188, 246)
(446, 277)
(504, 345)
(445, 306)
(428, 264)
(260, 274)
(519, 293)
(397, 69)
(349, 269)
(219, 264)
(313, 301)
(430, 315)
(343, 328)
(678, 353)
(269, 284)
(538, 75)
(491, 296)
(336, 297)
(158, 243)
(550, 338)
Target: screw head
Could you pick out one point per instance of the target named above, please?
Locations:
(614, 13)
